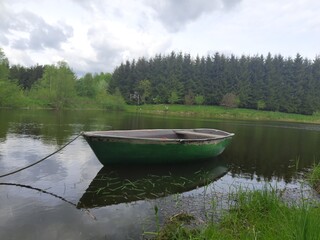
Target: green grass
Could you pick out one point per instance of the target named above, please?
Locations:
(263, 215)
(314, 177)
(219, 112)
(255, 215)
(259, 214)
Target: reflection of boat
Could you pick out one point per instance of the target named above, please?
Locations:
(114, 185)
(157, 145)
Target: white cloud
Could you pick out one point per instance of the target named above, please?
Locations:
(29, 31)
(176, 14)
(256, 28)
(97, 35)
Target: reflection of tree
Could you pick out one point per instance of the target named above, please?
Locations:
(49, 193)
(51, 127)
(4, 124)
(265, 150)
(269, 152)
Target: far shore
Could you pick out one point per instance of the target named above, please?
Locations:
(218, 112)
(196, 111)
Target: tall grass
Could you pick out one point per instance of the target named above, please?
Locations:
(314, 177)
(260, 214)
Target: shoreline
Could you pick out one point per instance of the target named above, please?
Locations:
(218, 112)
(197, 111)
(243, 212)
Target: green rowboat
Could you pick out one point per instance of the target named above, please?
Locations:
(157, 146)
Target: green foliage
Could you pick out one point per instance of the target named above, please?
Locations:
(144, 90)
(174, 97)
(40, 96)
(90, 85)
(199, 99)
(189, 98)
(86, 87)
(11, 95)
(111, 102)
(230, 100)
(157, 100)
(26, 77)
(57, 86)
(4, 66)
(269, 83)
(261, 105)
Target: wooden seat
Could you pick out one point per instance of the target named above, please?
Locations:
(196, 134)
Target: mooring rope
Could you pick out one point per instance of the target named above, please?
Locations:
(41, 160)
(51, 194)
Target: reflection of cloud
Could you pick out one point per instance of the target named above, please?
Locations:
(18, 151)
(75, 162)
(31, 218)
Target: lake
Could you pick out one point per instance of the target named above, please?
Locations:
(71, 196)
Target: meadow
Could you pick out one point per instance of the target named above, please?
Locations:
(219, 112)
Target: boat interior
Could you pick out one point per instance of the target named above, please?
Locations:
(168, 134)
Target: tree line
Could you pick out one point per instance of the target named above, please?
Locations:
(54, 86)
(270, 82)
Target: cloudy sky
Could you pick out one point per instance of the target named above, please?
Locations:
(97, 35)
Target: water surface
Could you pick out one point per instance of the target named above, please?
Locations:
(76, 189)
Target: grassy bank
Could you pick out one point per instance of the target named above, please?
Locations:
(114, 103)
(260, 214)
(218, 112)
(255, 215)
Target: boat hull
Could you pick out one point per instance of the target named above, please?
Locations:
(124, 152)
(133, 151)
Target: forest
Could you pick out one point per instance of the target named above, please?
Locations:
(54, 86)
(271, 82)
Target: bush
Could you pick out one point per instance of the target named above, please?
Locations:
(111, 102)
(199, 99)
(261, 105)
(11, 95)
(230, 100)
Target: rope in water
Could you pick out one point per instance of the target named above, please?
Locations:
(41, 160)
(51, 194)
